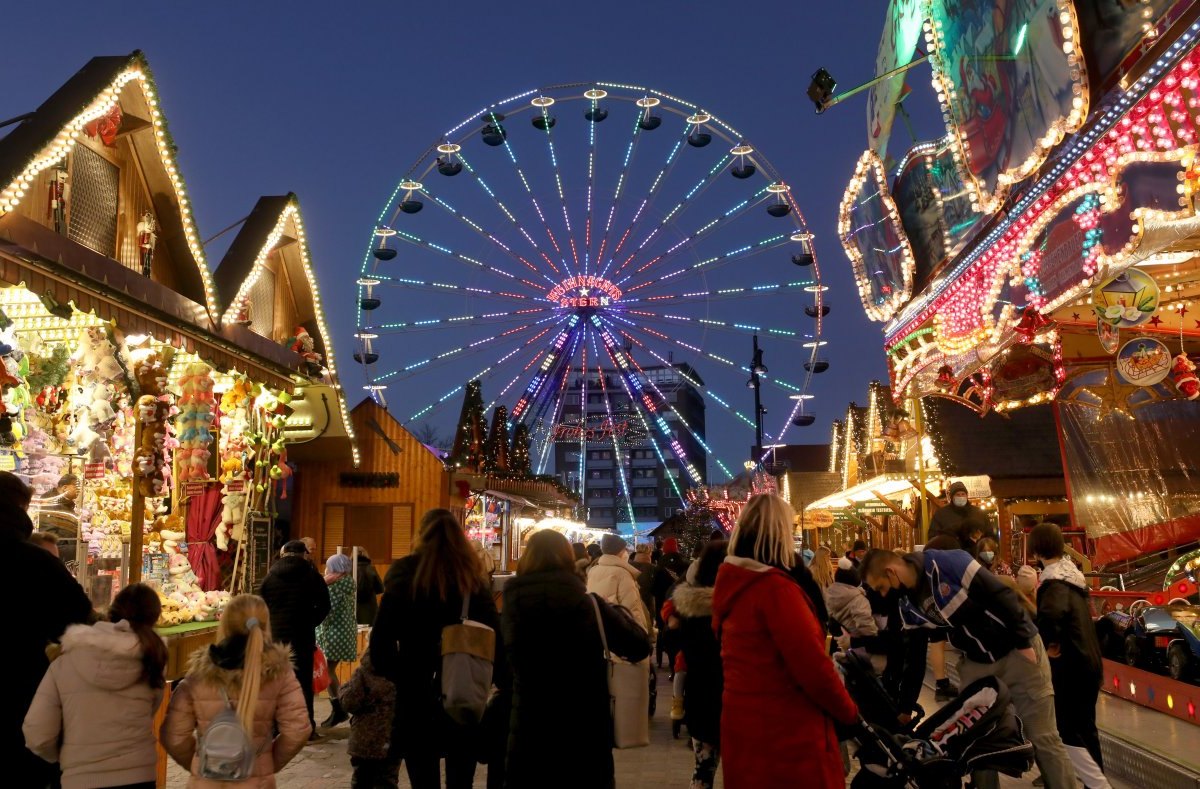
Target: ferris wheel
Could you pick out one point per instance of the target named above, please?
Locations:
(593, 228)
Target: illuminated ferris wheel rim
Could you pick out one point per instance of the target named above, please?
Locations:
(583, 300)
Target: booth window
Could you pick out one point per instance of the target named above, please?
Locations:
(384, 530)
(95, 182)
(262, 307)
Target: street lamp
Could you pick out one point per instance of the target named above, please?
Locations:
(757, 369)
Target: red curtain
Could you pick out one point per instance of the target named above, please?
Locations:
(204, 515)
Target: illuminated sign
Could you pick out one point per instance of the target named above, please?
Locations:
(622, 428)
(584, 291)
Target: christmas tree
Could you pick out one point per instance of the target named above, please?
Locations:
(519, 460)
(469, 436)
(495, 451)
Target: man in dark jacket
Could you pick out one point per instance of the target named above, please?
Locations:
(298, 600)
(997, 636)
(30, 626)
(1065, 623)
(959, 519)
(671, 568)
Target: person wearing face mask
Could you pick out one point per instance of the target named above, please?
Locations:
(997, 636)
(959, 519)
(985, 552)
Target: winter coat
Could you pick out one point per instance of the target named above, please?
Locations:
(647, 573)
(782, 693)
(671, 568)
(52, 601)
(94, 711)
(615, 580)
(561, 730)
(369, 588)
(849, 607)
(1064, 618)
(406, 648)
(371, 699)
(959, 523)
(298, 600)
(704, 681)
(985, 618)
(337, 635)
(197, 700)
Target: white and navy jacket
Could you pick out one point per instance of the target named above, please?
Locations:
(984, 617)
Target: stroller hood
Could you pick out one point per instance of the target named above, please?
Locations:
(980, 730)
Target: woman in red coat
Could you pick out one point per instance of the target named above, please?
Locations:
(782, 692)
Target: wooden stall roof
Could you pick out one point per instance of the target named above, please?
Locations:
(1021, 443)
(46, 135)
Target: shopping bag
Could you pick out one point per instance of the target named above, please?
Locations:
(629, 693)
(320, 678)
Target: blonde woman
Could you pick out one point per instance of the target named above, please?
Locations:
(822, 568)
(782, 693)
(244, 668)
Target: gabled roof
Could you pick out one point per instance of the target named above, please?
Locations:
(48, 134)
(1020, 443)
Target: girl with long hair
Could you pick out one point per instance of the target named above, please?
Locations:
(337, 636)
(94, 710)
(561, 729)
(782, 693)
(821, 568)
(244, 669)
(424, 593)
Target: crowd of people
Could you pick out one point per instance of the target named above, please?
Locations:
(746, 629)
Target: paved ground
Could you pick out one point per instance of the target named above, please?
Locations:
(665, 764)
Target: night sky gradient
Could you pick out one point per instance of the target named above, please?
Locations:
(334, 101)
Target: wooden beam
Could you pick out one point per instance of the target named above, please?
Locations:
(894, 508)
(1039, 508)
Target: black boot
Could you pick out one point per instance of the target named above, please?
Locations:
(337, 715)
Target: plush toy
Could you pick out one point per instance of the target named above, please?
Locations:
(1183, 375)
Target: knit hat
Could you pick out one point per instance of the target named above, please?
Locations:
(956, 487)
(613, 544)
(670, 545)
(845, 564)
(808, 556)
(1027, 579)
(338, 563)
(294, 547)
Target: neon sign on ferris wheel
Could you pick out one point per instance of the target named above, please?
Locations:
(584, 291)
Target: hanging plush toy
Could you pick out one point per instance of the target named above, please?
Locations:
(1183, 375)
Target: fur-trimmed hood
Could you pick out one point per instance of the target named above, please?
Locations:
(276, 662)
(112, 652)
(1064, 570)
(693, 601)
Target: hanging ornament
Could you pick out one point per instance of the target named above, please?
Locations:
(1183, 375)
(1110, 336)
(1143, 361)
(1126, 300)
(147, 233)
(1032, 324)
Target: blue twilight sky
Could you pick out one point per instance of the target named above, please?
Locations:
(335, 102)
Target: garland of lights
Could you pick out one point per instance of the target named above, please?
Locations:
(57, 149)
(870, 166)
(944, 85)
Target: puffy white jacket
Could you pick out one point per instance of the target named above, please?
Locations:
(615, 579)
(94, 711)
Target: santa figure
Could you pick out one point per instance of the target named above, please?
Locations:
(1183, 375)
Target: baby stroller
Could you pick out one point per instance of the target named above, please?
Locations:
(979, 730)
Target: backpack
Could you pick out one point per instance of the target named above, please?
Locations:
(468, 649)
(225, 751)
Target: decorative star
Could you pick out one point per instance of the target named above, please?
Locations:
(1183, 311)
(583, 291)
(1155, 321)
(1075, 316)
(1196, 322)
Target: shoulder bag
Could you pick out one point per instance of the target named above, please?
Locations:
(628, 692)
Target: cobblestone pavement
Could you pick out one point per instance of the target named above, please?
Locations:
(666, 764)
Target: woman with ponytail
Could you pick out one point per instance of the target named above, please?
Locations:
(94, 710)
(244, 668)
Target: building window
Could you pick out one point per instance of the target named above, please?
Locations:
(262, 305)
(95, 183)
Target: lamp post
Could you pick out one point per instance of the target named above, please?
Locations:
(757, 368)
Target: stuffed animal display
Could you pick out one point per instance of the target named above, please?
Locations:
(193, 425)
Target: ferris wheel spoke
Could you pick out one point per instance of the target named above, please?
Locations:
(717, 325)
(656, 185)
(407, 283)
(620, 463)
(730, 214)
(484, 319)
(489, 236)
(619, 190)
(637, 407)
(484, 374)
(512, 156)
(711, 263)
(415, 240)
(549, 359)
(688, 200)
(721, 294)
(662, 398)
(479, 346)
